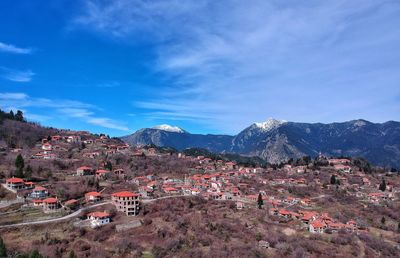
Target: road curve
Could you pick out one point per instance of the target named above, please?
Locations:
(76, 213)
(69, 216)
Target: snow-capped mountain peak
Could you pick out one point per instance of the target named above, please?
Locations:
(269, 124)
(169, 128)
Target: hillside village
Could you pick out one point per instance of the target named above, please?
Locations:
(86, 185)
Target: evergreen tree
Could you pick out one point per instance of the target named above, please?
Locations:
(72, 254)
(382, 186)
(333, 179)
(12, 116)
(3, 250)
(19, 162)
(383, 220)
(108, 166)
(35, 254)
(28, 171)
(22, 256)
(306, 160)
(97, 185)
(260, 201)
(19, 173)
(19, 116)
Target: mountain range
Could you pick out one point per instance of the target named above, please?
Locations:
(277, 141)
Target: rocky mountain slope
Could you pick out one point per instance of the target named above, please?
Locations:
(278, 141)
(178, 139)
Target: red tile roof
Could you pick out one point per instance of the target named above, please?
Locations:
(124, 194)
(318, 224)
(99, 214)
(72, 201)
(50, 200)
(14, 180)
(84, 168)
(170, 189)
(39, 188)
(102, 171)
(95, 194)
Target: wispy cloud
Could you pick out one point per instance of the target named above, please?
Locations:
(88, 116)
(70, 109)
(235, 62)
(13, 96)
(16, 75)
(14, 49)
(107, 123)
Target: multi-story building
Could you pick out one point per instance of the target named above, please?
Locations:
(93, 197)
(51, 204)
(15, 184)
(84, 171)
(126, 202)
(39, 193)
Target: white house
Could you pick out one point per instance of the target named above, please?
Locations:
(47, 147)
(317, 226)
(98, 218)
(39, 193)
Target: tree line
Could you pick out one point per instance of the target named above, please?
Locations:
(19, 116)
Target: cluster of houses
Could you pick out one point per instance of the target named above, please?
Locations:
(99, 173)
(52, 146)
(210, 179)
(125, 202)
(314, 221)
(16, 184)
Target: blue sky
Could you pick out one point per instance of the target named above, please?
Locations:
(206, 66)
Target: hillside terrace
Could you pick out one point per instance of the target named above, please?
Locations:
(291, 187)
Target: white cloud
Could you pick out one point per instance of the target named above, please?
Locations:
(17, 75)
(76, 112)
(36, 117)
(13, 96)
(68, 108)
(88, 117)
(107, 123)
(13, 49)
(235, 62)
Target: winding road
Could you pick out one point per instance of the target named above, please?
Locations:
(69, 216)
(78, 212)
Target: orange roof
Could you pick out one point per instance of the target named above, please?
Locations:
(37, 201)
(335, 225)
(124, 194)
(318, 224)
(14, 180)
(84, 168)
(50, 200)
(284, 212)
(99, 214)
(102, 171)
(95, 194)
(169, 189)
(308, 215)
(72, 201)
(39, 188)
